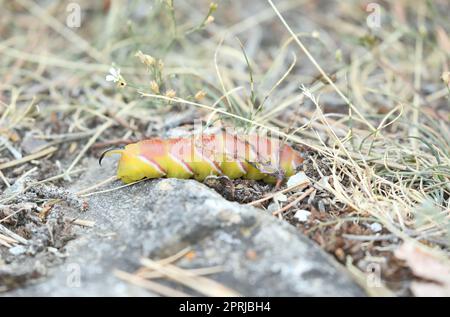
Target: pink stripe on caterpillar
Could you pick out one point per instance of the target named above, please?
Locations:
(153, 164)
(182, 163)
(242, 167)
(209, 161)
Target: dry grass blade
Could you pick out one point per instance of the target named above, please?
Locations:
(95, 186)
(3, 178)
(270, 196)
(81, 222)
(5, 231)
(150, 285)
(28, 158)
(294, 202)
(200, 284)
(7, 241)
(319, 68)
(66, 32)
(11, 215)
(4, 242)
(149, 274)
(111, 189)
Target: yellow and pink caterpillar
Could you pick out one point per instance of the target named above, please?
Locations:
(199, 156)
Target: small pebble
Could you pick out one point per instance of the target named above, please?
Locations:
(280, 197)
(376, 227)
(302, 215)
(17, 250)
(274, 206)
(298, 178)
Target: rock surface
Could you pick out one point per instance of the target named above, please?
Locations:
(260, 255)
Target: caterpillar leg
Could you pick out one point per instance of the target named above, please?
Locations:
(278, 184)
(279, 176)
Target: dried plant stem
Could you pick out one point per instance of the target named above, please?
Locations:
(203, 285)
(417, 76)
(295, 202)
(319, 68)
(299, 186)
(13, 235)
(150, 285)
(28, 158)
(64, 31)
(100, 184)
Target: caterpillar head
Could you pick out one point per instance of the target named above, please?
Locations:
(133, 166)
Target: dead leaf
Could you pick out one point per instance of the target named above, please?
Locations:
(428, 266)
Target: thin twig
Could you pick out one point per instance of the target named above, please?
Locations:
(270, 196)
(319, 68)
(203, 285)
(13, 235)
(293, 203)
(28, 158)
(81, 222)
(100, 184)
(150, 285)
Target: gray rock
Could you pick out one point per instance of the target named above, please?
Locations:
(161, 217)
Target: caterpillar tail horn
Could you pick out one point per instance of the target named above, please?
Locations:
(109, 152)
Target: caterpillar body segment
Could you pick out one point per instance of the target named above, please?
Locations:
(250, 157)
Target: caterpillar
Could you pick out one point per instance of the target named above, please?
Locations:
(199, 156)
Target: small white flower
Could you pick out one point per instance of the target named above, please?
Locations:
(114, 75)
